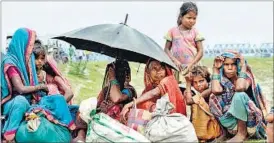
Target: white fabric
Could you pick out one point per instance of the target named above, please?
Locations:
(103, 128)
(86, 106)
(165, 127)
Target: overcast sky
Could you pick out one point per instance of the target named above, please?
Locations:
(219, 22)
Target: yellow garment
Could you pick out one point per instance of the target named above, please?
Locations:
(205, 124)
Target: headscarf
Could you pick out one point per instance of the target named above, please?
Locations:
(169, 86)
(257, 96)
(53, 64)
(149, 85)
(20, 55)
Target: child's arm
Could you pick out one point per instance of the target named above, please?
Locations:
(206, 93)
(174, 60)
(200, 53)
(217, 88)
(200, 50)
(188, 93)
(68, 92)
(243, 82)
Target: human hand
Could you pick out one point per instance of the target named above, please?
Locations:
(218, 62)
(44, 88)
(238, 56)
(188, 77)
(178, 64)
(187, 69)
(124, 111)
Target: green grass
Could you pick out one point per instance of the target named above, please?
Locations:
(88, 84)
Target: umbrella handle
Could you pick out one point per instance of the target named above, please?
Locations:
(125, 22)
(138, 68)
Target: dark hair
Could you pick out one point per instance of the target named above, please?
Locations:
(151, 60)
(47, 68)
(38, 49)
(202, 71)
(185, 8)
(122, 70)
(38, 42)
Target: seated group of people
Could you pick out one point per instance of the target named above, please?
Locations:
(32, 84)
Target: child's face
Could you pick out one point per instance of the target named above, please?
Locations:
(189, 20)
(40, 61)
(199, 83)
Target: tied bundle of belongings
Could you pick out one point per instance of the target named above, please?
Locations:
(36, 128)
(86, 106)
(33, 122)
(102, 128)
(205, 124)
(138, 118)
(165, 127)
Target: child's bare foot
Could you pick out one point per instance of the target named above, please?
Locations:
(221, 138)
(237, 138)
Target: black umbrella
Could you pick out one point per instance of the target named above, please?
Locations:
(118, 41)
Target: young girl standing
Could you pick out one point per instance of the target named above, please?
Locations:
(183, 42)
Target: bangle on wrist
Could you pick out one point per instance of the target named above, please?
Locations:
(216, 77)
(114, 82)
(214, 70)
(37, 87)
(242, 75)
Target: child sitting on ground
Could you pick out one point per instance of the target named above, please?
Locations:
(206, 126)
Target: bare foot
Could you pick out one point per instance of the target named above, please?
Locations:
(78, 139)
(5, 141)
(221, 138)
(237, 138)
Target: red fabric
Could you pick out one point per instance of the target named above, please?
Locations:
(169, 86)
(138, 118)
(13, 71)
(51, 83)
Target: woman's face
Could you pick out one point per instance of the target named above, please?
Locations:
(128, 79)
(199, 83)
(156, 71)
(230, 68)
(40, 61)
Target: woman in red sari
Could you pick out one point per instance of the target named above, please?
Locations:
(159, 80)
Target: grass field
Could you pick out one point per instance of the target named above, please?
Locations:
(89, 82)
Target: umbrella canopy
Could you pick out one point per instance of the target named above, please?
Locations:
(118, 41)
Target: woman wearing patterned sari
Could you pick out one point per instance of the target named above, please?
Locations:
(159, 80)
(115, 90)
(238, 104)
(19, 87)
